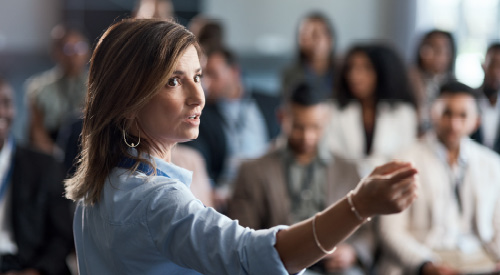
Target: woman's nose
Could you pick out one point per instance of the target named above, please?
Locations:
(196, 95)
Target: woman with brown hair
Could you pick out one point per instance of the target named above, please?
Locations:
(136, 214)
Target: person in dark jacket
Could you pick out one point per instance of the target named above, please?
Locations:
(35, 218)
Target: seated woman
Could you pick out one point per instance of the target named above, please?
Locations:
(136, 214)
(375, 115)
(435, 61)
(315, 61)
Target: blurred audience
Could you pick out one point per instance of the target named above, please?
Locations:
(315, 58)
(237, 123)
(375, 115)
(435, 62)
(297, 178)
(454, 225)
(489, 100)
(35, 219)
(57, 96)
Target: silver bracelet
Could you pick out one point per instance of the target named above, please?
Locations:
(353, 209)
(318, 244)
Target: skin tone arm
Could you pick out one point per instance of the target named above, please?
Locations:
(434, 269)
(390, 188)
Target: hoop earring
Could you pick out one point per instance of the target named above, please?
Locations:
(125, 138)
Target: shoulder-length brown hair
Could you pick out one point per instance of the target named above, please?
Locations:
(131, 62)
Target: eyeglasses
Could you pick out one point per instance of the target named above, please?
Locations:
(78, 48)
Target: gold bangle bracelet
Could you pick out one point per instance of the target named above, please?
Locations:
(318, 244)
(353, 209)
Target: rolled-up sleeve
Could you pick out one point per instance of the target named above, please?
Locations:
(200, 238)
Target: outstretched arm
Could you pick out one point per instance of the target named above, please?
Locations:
(389, 189)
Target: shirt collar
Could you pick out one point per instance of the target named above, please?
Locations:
(5, 156)
(173, 171)
(442, 152)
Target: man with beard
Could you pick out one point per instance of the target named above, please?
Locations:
(454, 225)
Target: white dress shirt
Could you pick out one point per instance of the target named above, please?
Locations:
(7, 244)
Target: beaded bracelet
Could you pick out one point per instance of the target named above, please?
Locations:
(353, 209)
(318, 244)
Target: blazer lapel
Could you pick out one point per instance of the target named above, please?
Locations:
(279, 197)
(496, 146)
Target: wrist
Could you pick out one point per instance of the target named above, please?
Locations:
(357, 207)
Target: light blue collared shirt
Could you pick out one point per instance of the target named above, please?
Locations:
(154, 225)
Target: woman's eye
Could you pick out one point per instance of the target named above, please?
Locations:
(197, 78)
(173, 82)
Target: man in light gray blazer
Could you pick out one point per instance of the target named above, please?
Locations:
(454, 225)
(299, 177)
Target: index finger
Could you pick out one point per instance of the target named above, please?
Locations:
(390, 167)
(402, 173)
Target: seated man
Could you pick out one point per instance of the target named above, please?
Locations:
(454, 225)
(237, 122)
(298, 178)
(57, 96)
(35, 218)
(489, 100)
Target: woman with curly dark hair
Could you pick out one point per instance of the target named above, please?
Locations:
(375, 112)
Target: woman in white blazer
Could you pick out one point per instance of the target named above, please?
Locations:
(375, 115)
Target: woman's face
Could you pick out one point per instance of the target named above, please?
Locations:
(436, 54)
(314, 39)
(361, 76)
(173, 115)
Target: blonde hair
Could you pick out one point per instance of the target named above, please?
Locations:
(131, 62)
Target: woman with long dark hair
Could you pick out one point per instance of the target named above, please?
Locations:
(375, 115)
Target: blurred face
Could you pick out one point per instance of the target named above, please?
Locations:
(314, 39)
(73, 56)
(491, 68)
(173, 115)
(436, 54)
(6, 112)
(361, 76)
(304, 126)
(221, 79)
(455, 117)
